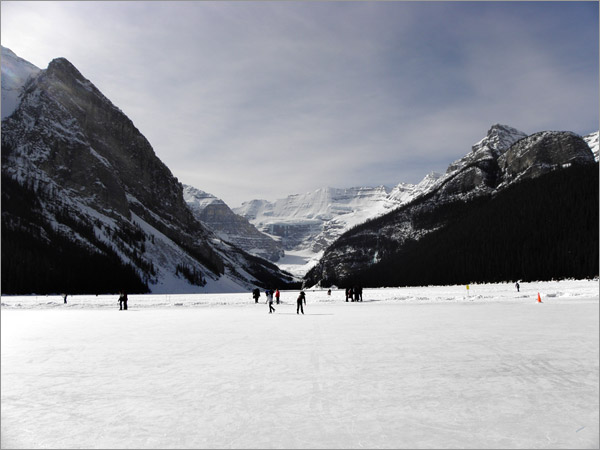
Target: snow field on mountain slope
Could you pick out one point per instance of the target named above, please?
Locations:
(427, 367)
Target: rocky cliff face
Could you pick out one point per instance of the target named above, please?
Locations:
(315, 219)
(68, 143)
(543, 152)
(230, 227)
(503, 158)
(477, 171)
(308, 223)
(498, 139)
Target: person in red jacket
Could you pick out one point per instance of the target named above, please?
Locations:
(277, 294)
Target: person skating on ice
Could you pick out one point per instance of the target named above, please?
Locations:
(270, 301)
(301, 299)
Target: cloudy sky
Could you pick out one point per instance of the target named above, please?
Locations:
(265, 99)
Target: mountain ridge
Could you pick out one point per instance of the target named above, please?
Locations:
(481, 174)
(66, 140)
(100, 185)
(231, 227)
(306, 234)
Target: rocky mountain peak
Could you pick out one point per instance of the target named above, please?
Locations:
(65, 82)
(386, 244)
(196, 198)
(543, 152)
(233, 228)
(63, 66)
(104, 188)
(498, 139)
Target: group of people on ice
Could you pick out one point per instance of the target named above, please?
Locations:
(269, 293)
(300, 301)
(354, 294)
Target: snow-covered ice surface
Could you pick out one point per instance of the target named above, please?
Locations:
(428, 367)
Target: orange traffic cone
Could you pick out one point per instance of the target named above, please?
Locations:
(539, 299)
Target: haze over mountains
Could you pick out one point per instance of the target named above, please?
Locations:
(88, 206)
(15, 72)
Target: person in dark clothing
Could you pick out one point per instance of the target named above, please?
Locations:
(517, 286)
(301, 299)
(358, 294)
(256, 294)
(123, 301)
(65, 297)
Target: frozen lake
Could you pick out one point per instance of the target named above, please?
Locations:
(428, 367)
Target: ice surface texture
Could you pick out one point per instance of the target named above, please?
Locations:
(407, 368)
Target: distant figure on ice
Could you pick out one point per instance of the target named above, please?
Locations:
(357, 293)
(329, 292)
(277, 295)
(65, 297)
(517, 286)
(349, 294)
(301, 299)
(256, 294)
(123, 301)
(270, 301)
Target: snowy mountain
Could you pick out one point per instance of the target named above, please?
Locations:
(230, 227)
(87, 204)
(299, 220)
(504, 159)
(474, 173)
(592, 142)
(404, 193)
(308, 223)
(498, 139)
(15, 73)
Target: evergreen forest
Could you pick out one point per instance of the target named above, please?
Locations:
(539, 229)
(38, 259)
